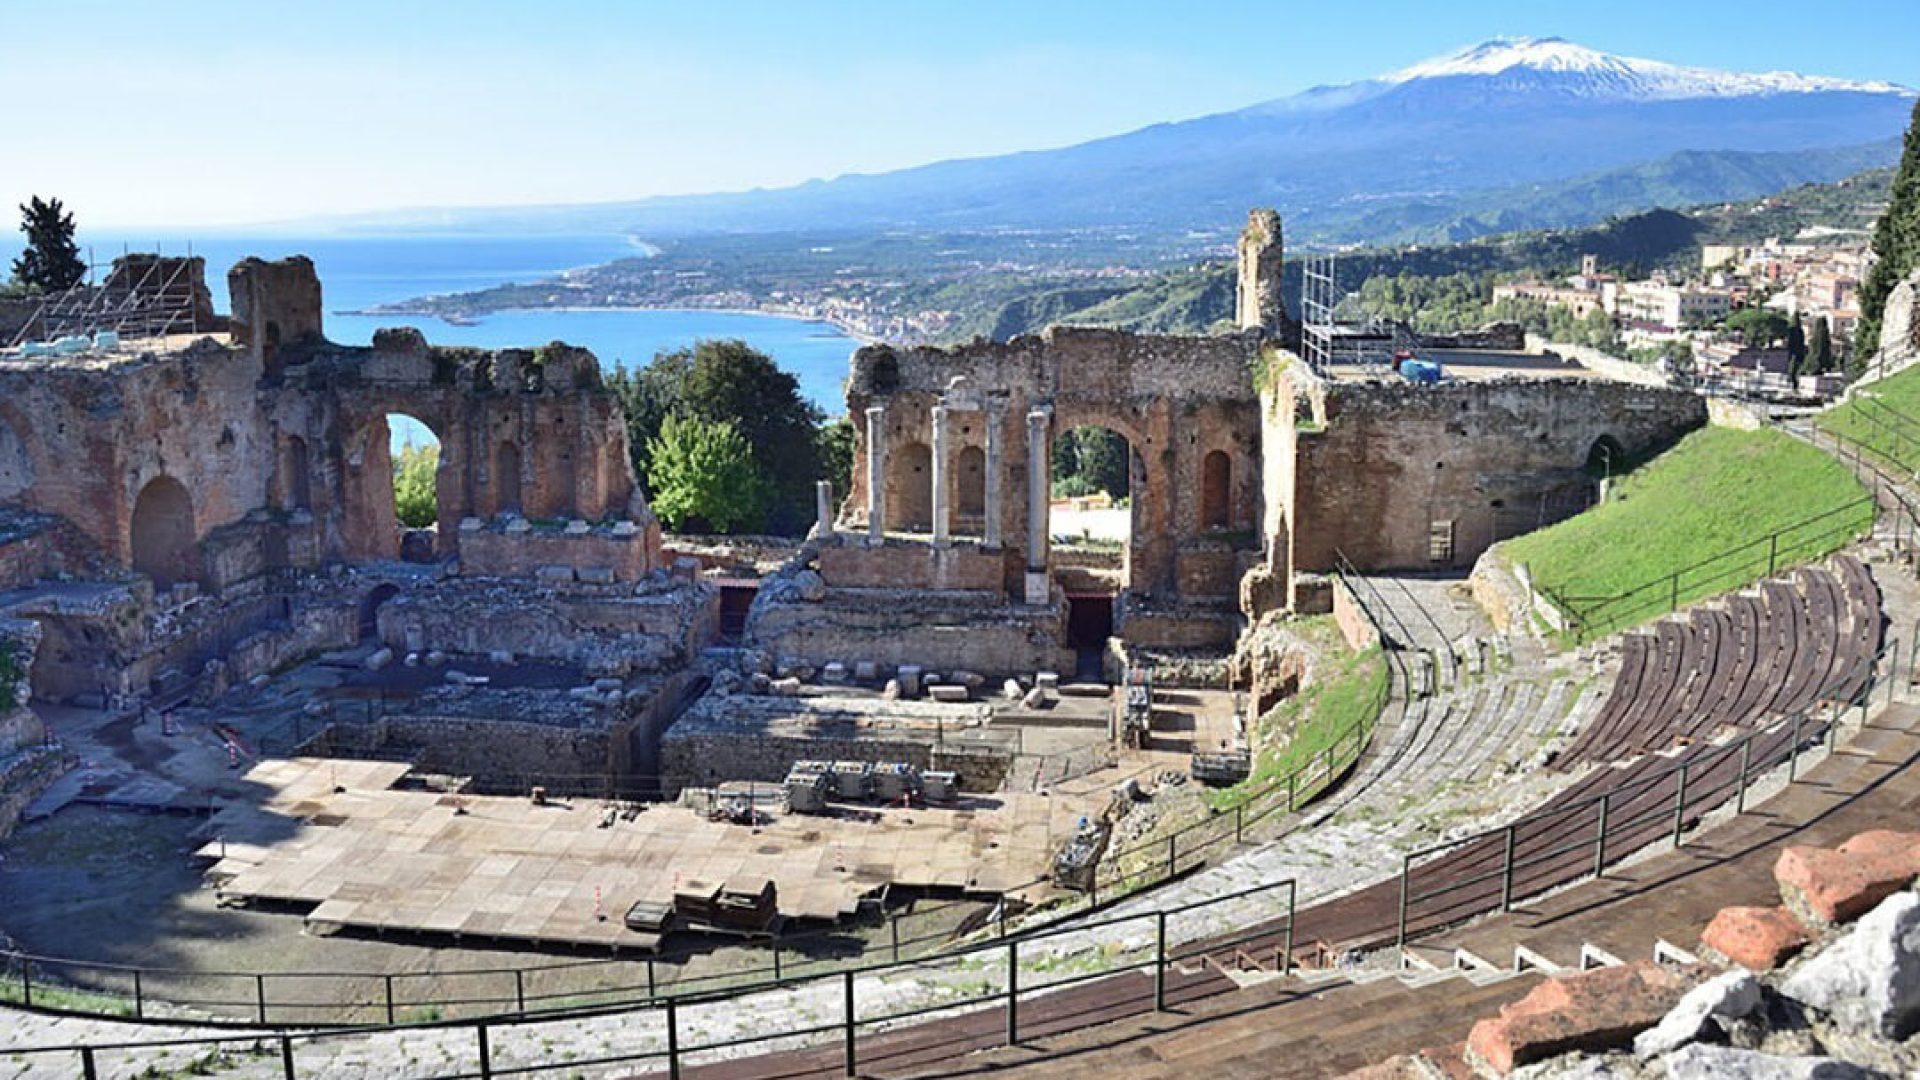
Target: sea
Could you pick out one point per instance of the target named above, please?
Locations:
(359, 272)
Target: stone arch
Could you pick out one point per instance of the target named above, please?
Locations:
(16, 465)
(1216, 490)
(910, 487)
(1606, 457)
(970, 482)
(369, 621)
(161, 538)
(506, 477)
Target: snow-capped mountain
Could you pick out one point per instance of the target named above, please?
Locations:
(1478, 139)
(1577, 70)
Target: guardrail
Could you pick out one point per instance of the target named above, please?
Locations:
(1020, 978)
(1590, 617)
(1543, 851)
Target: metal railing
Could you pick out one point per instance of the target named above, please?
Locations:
(1489, 871)
(1024, 973)
(1590, 617)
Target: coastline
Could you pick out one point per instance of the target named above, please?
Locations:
(859, 336)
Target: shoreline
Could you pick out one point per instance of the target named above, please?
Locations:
(860, 337)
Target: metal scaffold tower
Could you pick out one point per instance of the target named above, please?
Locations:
(1326, 341)
(142, 296)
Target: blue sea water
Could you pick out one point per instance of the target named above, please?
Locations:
(360, 272)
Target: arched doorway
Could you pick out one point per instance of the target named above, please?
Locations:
(370, 609)
(1606, 458)
(1091, 521)
(910, 488)
(1216, 490)
(161, 538)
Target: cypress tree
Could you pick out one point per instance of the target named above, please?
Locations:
(1820, 347)
(52, 260)
(1896, 244)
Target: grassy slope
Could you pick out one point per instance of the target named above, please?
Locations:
(1885, 416)
(1717, 491)
(1348, 689)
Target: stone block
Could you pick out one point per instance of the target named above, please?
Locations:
(1047, 680)
(1038, 589)
(576, 527)
(1826, 886)
(624, 528)
(866, 671)
(413, 659)
(909, 676)
(948, 692)
(608, 686)
(1728, 996)
(1756, 938)
(595, 575)
(471, 524)
(379, 658)
(891, 692)
(835, 673)
(500, 656)
(1703, 1061)
(517, 524)
(1593, 1010)
(1036, 699)
(1012, 690)
(554, 575)
(787, 687)
(435, 657)
(1870, 978)
(972, 680)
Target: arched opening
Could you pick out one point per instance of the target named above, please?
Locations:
(370, 609)
(910, 488)
(1216, 490)
(415, 454)
(1092, 488)
(970, 480)
(1606, 458)
(291, 482)
(162, 540)
(506, 477)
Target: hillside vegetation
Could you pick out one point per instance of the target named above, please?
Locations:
(1695, 522)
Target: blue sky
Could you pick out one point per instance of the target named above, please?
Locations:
(200, 112)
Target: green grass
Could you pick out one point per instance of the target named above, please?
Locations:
(1883, 417)
(1695, 522)
(1349, 691)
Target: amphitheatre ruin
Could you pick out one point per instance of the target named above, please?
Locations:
(940, 788)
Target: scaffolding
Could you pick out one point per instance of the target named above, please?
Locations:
(143, 295)
(1326, 341)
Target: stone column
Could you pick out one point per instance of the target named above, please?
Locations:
(996, 415)
(822, 509)
(940, 478)
(876, 473)
(1039, 421)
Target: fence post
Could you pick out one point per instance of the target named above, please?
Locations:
(1238, 821)
(26, 981)
(851, 1064)
(776, 955)
(1506, 874)
(486, 1053)
(1600, 836)
(1013, 993)
(389, 982)
(87, 1068)
(1746, 763)
(286, 1056)
(1286, 961)
(1773, 552)
(1160, 961)
(139, 997)
(1400, 932)
(1173, 852)
(1793, 751)
(673, 1041)
(893, 934)
(1674, 598)
(1680, 804)
(260, 995)
(519, 991)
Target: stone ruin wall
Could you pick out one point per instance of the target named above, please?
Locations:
(710, 757)
(1495, 458)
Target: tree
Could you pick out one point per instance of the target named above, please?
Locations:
(1796, 346)
(1820, 347)
(51, 261)
(415, 501)
(704, 476)
(731, 382)
(1759, 326)
(835, 439)
(1896, 245)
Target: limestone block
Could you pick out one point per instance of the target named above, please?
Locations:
(435, 658)
(595, 575)
(910, 676)
(1592, 1010)
(1871, 977)
(1047, 680)
(1036, 699)
(1702, 1061)
(1012, 690)
(787, 687)
(624, 528)
(1730, 995)
(501, 656)
(972, 680)
(686, 568)
(892, 691)
(471, 524)
(413, 659)
(517, 524)
(835, 673)
(576, 527)
(865, 671)
(379, 658)
(1756, 938)
(948, 692)
(554, 575)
